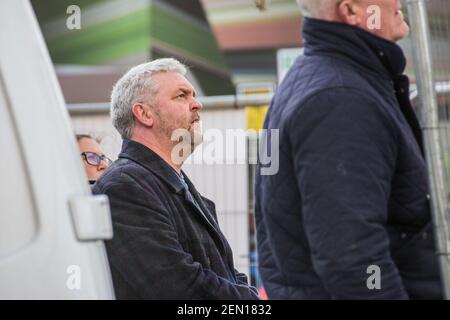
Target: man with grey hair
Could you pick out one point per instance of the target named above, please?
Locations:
(167, 242)
(319, 9)
(347, 216)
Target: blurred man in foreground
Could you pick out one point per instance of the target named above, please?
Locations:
(167, 243)
(347, 216)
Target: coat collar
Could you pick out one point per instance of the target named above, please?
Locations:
(375, 54)
(355, 45)
(147, 158)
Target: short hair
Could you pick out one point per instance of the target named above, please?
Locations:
(137, 86)
(83, 136)
(319, 9)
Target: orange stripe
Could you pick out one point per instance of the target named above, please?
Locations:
(273, 34)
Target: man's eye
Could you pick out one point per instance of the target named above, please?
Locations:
(183, 95)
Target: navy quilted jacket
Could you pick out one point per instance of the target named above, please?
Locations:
(351, 192)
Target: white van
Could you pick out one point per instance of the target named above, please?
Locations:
(51, 227)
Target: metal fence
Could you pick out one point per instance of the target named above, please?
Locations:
(429, 21)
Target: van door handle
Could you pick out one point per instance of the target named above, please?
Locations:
(91, 217)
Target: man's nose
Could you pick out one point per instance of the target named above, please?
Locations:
(196, 105)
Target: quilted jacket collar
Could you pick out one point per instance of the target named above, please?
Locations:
(355, 45)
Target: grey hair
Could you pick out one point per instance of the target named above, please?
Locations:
(137, 86)
(318, 9)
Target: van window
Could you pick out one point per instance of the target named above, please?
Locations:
(18, 224)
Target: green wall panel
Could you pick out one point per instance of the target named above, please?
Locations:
(172, 29)
(105, 41)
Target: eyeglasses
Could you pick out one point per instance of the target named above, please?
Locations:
(94, 159)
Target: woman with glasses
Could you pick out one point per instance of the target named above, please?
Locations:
(94, 159)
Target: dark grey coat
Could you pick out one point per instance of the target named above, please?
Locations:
(164, 245)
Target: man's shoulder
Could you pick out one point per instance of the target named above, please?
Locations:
(124, 172)
(316, 75)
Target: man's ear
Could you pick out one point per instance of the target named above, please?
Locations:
(143, 114)
(349, 12)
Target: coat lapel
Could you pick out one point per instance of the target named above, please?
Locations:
(196, 202)
(200, 209)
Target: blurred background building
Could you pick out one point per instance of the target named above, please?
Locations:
(227, 43)
(249, 38)
(116, 34)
